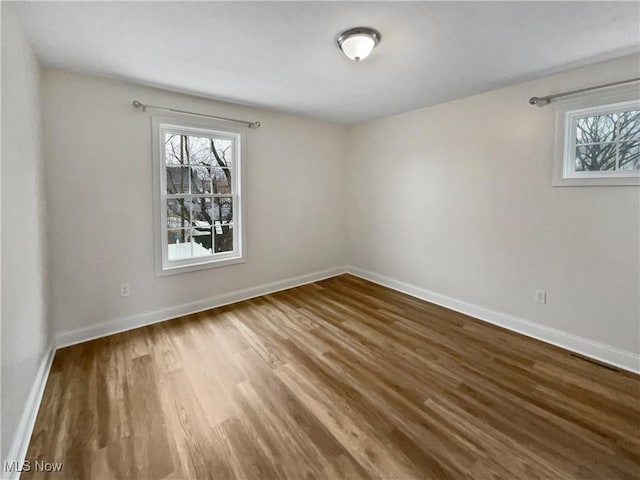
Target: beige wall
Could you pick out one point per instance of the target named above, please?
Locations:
(457, 199)
(25, 332)
(98, 153)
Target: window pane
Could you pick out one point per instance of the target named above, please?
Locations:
(199, 151)
(221, 180)
(629, 156)
(202, 212)
(179, 244)
(177, 179)
(174, 149)
(178, 215)
(223, 152)
(222, 210)
(596, 158)
(224, 238)
(600, 128)
(202, 241)
(200, 180)
(629, 125)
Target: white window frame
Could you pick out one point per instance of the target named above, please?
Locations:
(178, 125)
(567, 113)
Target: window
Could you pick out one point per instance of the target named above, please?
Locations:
(603, 141)
(601, 144)
(198, 200)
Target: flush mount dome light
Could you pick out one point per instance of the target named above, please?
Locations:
(357, 43)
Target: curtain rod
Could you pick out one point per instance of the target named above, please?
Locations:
(542, 101)
(144, 107)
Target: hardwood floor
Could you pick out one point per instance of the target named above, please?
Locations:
(337, 379)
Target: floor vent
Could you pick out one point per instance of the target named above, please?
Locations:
(595, 362)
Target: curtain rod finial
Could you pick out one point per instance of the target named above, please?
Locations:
(539, 101)
(137, 104)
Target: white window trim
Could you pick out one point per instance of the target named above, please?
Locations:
(567, 112)
(177, 123)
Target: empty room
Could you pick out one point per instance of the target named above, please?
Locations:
(320, 240)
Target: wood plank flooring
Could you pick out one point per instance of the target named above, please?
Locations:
(337, 379)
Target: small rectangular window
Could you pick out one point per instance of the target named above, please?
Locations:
(198, 195)
(602, 142)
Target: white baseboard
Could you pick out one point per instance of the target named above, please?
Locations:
(22, 436)
(118, 325)
(598, 351)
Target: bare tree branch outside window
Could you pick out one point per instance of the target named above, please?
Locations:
(608, 142)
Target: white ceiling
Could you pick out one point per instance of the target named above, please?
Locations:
(283, 56)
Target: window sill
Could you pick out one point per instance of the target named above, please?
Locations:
(194, 267)
(597, 182)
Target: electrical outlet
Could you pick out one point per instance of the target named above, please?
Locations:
(541, 296)
(124, 290)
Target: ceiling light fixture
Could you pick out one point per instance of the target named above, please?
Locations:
(357, 43)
